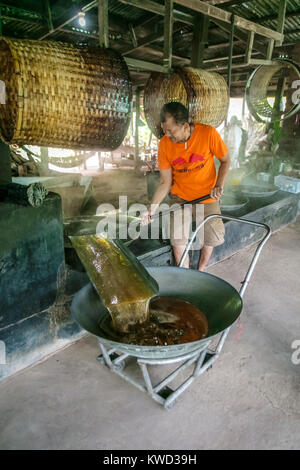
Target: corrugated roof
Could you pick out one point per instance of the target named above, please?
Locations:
(127, 12)
(257, 10)
(260, 11)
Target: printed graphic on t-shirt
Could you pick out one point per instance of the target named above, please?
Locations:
(178, 161)
(193, 158)
(196, 158)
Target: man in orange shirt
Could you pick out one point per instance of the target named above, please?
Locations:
(187, 171)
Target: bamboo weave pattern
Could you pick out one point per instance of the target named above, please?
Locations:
(62, 95)
(204, 93)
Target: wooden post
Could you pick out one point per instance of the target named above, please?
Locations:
(137, 117)
(249, 47)
(281, 19)
(244, 107)
(230, 53)
(103, 23)
(100, 162)
(168, 33)
(131, 126)
(270, 50)
(133, 36)
(44, 161)
(200, 36)
(84, 162)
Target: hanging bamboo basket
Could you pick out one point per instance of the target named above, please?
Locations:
(204, 93)
(62, 95)
(258, 87)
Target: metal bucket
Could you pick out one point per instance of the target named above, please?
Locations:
(217, 299)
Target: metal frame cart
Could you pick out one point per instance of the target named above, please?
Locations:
(202, 359)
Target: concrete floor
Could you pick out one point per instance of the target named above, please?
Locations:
(249, 400)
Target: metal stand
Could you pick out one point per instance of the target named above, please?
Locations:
(161, 392)
(202, 359)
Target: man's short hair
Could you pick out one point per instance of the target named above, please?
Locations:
(176, 110)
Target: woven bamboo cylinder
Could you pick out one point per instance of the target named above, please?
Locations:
(258, 86)
(62, 95)
(204, 93)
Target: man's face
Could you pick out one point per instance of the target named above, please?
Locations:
(175, 132)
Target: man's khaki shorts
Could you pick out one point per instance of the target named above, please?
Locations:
(212, 234)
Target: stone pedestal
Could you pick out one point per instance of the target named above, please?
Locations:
(34, 305)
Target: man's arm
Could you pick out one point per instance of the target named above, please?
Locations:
(162, 189)
(217, 191)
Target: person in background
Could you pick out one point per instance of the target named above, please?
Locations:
(233, 138)
(243, 145)
(187, 171)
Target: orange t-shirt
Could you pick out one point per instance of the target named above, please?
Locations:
(202, 146)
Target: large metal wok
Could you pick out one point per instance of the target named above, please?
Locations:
(231, 203)
(259, 191)
(217, 299)
(220, 302)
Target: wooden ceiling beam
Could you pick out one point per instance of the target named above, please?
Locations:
(241, 35)
(231, 3)
(157, 36)
(168, 34)
(103, 23)
(158, 9)
(146, 41)
(144, 65)
(240, 22)
(159, 53)
(200, 38)
(187, 60)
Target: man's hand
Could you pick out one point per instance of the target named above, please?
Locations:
(146, 217)
(216, 192)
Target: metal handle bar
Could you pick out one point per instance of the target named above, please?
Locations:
(257, 251)
(173, 209)
(180, 205)
(161, 214)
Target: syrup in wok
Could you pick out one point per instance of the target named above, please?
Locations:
(171, 321)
